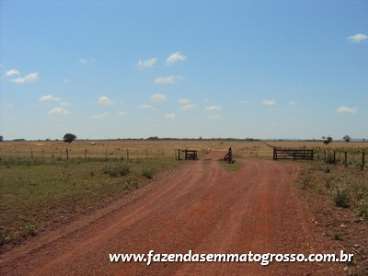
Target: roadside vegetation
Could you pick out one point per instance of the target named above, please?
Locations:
(338, 199)
(36, 194)
(346, 187)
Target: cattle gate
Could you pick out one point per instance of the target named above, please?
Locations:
(188, 154)
(293, 154)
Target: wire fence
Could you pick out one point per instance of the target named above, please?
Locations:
(87, 154)
(348, 158)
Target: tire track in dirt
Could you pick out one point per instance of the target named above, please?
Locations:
(200, 207)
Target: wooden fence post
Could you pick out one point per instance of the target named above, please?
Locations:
(346, 158)
(67, 153)
(127, 155)
(334, 157)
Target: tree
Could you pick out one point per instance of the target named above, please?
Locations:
(346, 138)
(327, 140)
(153, 138)
(1, 138)
(69, 137)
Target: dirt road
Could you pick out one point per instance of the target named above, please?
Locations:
(202, 207)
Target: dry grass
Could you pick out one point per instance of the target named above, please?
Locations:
(37, 194)
(346, 187)
(143, 149)
(121, 149)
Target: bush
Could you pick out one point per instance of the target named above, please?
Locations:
(342, 199)
(3, 237)
(338, 237)
(148, 173)
(117, 170)
(363, 209)
(30, 229)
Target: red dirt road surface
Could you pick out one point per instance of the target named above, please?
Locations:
(200, 206)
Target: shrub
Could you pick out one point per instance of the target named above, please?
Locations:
(117, 170)
(30, 229)
(3, 237)
(363, 208)
(148, 173)
(342, 198)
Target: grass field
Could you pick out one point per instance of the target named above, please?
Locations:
(145, 149)
(35, 194)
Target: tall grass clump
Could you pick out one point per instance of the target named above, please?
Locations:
(148, 173)
(116, 170)
(342, 198)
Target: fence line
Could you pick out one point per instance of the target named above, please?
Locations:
(344, 157)
(84, 153)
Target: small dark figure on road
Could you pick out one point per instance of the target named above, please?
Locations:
(229, 156)
(230, 152)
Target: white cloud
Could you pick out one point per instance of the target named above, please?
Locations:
(147, 106)
(184, 101)
(12, 73)
(100, 115)
(346, 109)
(166, 80)
(158, 98)
(104, 101)
(358, 38)
(148, 63)
(269, 103)
(185, 104)
(87, 60)
(64, 104)
(175, 57)
(213, 108)
(170, 116)
(32, 77)
(49, 98)
(59, 111)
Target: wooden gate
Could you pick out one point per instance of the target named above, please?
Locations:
(188, 154)
(294, 154)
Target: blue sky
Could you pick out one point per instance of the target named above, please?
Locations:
(116, 69)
